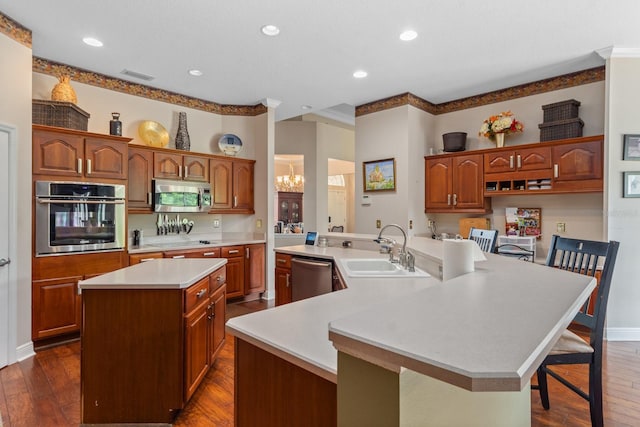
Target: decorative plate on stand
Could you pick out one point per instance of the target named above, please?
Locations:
(230, 144)
(153, 133)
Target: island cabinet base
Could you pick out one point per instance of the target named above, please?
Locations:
(369, 395)
(132, 356)
(270, 391)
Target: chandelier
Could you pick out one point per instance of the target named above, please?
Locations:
(291, 182)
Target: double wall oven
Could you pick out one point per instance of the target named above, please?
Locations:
(78, 217)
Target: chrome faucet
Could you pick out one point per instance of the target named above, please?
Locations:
(403, 257)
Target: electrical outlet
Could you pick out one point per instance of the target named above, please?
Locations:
(560, 227)
(430, 223)
(410, 224)
(378, 223)
(258, 223)
(216, 223)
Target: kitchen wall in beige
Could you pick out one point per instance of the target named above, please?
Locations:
(383, 135)
(15, 113)
(622, 220)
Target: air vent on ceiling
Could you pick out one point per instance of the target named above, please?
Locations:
(137, 75)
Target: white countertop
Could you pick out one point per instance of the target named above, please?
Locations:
(164, 273)
(191, 241)
(486, 330)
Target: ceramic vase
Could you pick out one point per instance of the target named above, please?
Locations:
(182, 137)
(499, 140)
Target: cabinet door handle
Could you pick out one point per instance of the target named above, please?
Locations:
(455, 199)
(186, 171)
(281, 261)
(448, 199)
(234, 251)
(235, 201)
(519, 161)
(201, 293)
(510, 162)
(246, 253)
(208, 254)
(220, 279)
(177, 256)
(556, 170)
(146, 259)
(179, 171)
(149, 198)
(287, 280)
(79, 165)
(88, 166)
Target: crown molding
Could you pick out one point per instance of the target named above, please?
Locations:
(619, 52)
(534, 88)
(15, 31)
(45, 66)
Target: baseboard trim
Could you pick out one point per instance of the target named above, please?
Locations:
(25, 351)
(623, 334)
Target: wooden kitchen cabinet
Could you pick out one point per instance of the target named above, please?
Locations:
(577, 167)
(217, 333)
(194, 253)
(254, 268)
(180, 167)
(232, 185)
(78, 154)
(235, 270)
(56, 303)
(56, 307)
(526, 159)
(454, 183)
(152, 375)
(289, 206)
(140, 181)
(283, 279)
(196, 326)
(517, 170)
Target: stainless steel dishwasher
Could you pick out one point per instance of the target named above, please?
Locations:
(310, 277)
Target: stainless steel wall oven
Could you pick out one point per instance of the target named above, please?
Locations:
(79, 217)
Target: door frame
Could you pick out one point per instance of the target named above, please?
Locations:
(12, 233)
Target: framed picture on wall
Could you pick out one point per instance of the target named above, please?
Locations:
(379, 175)
(631, 184)
(631, 147)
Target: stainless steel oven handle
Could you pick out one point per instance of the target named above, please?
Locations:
(88, 202)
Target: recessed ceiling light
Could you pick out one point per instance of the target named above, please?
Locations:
(307, 107)
(270, 30)
(360, 74)
(408, 35)
(92, 41)
(195, 72)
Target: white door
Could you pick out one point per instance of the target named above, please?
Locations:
(337, 207)
(4, 248)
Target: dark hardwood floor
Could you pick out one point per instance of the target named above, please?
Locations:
(44, 390)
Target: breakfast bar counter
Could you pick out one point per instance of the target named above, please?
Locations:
(482, 334)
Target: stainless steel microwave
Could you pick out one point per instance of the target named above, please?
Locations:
(181, 196)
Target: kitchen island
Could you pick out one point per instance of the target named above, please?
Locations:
(150, 333)
(397, 344)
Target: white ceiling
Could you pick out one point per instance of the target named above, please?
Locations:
(464, 47)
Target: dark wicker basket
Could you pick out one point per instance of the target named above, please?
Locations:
(563, 110)
(60, 114)
(561, 129)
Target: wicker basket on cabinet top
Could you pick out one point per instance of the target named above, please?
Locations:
(561, 129)
(562, 110)
(60, 114)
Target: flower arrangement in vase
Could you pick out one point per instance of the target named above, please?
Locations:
(496, 127)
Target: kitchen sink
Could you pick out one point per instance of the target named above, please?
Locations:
(377, 267)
